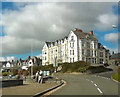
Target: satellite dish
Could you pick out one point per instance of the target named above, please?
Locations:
(114, 26)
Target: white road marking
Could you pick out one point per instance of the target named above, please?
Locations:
(95, 85)
(99, 90)
(91, 81)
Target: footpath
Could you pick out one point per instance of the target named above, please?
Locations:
(29, 89)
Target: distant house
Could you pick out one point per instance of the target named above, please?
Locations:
(7, 64)
(115, 59)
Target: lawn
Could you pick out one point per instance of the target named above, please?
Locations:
(116, 76)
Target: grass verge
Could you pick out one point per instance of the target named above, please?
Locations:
(116, 77)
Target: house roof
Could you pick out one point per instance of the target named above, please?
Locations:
(48, 43)
(115, 56)
(80, 34)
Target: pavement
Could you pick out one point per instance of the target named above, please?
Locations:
(28, 89)
(81, 84)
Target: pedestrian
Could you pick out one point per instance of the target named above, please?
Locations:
(37, 75)
(40, 78)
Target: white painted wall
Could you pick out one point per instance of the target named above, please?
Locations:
(74, 48)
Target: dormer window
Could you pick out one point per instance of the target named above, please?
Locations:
(72, 37)
(87, 36)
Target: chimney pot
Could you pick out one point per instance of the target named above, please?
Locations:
(91, 32)
(78, 30)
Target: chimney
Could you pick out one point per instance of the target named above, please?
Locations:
(113, 53)
(77, 30)
(91, 32)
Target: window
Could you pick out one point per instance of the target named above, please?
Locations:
(95, 45)
(72, 37)
(73, 44)
(70, 44)
(101, 54)
(101, 61)
(70, 52)
(83, 53)
(106, 54)
(95, 60)
(88, 45)
(92, 53)
(88, 53)
(73, 52)
(83, 44)
(95, 53)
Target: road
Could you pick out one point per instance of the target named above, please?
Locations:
(78, 84)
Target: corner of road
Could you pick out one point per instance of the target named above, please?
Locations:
(51, 90)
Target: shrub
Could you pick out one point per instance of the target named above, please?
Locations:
(98, 69)
(25, 72)
(79, 66)
(14, 71)
(5, 74)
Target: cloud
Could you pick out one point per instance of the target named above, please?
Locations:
(16, 45)
(106, 21)
(111, 37)
(7, 58)
(40, 22)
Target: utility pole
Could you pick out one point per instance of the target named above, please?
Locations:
(55, 64)
(31, 60)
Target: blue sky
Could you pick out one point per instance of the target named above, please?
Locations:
(17, 7)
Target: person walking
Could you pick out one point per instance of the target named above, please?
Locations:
(40, 78)
(37, 75)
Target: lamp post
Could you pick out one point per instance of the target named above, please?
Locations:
(55, 64)
(31, 60)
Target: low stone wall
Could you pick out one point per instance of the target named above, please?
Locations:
(8, 83)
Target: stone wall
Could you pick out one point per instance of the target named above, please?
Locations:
(8, 83)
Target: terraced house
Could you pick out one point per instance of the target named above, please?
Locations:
(78, 46)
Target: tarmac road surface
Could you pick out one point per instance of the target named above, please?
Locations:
(79, 84)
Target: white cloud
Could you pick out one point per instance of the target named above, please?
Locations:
(2, 59)
(39, 22)
(7, 58)
(111, 37)
(106, 21)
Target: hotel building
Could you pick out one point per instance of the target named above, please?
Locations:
(78, 46)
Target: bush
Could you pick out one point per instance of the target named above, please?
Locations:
(98, 69)
(14, 71)
(79, 66)
(25, 72)
(5, 74)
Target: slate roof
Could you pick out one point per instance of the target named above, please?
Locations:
(80, 34)
(115, 56)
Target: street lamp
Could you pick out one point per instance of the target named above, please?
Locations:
(55, 64)
(31, 60)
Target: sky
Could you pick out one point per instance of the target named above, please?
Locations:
(25, 25)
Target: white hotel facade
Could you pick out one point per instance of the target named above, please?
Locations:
(78, 46)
